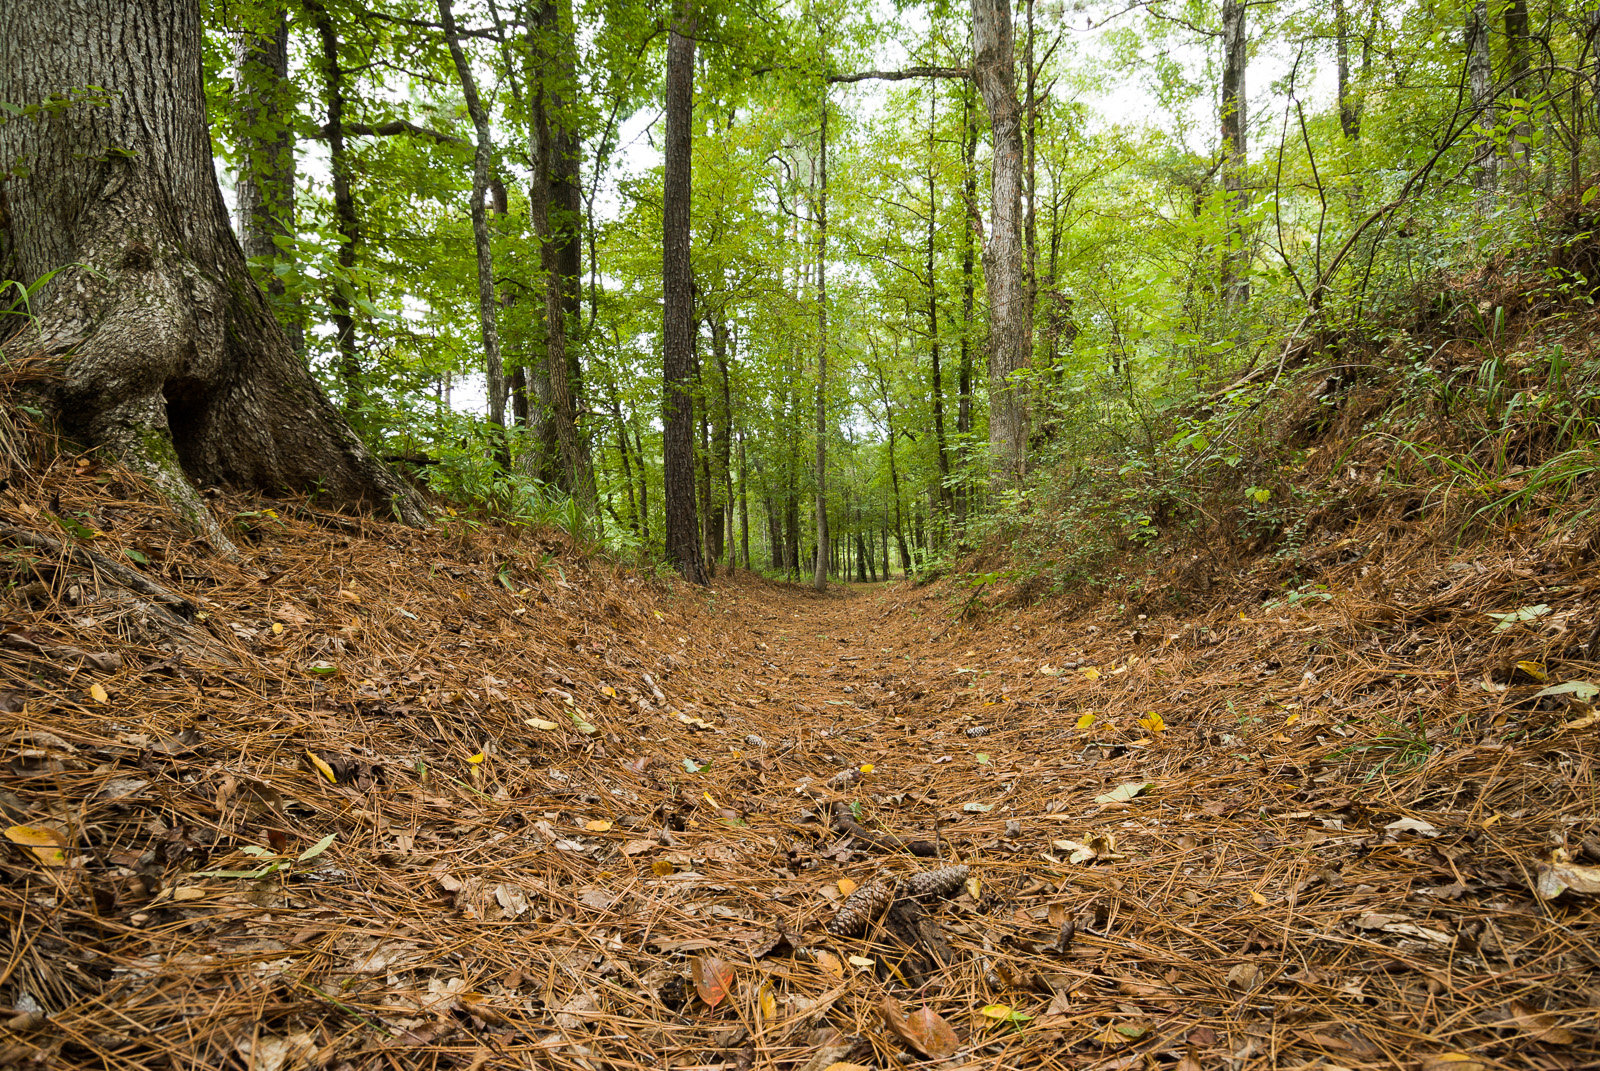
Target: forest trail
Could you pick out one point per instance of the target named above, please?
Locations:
(466, 797)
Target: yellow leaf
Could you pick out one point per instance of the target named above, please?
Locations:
(188, 892)
(1534, 670)
(766, 1002)
(861, 961)
(44, 842)
(661, 868)
(476, 759)
(1291, 719)
(323, 768)
(974, 886)
(277, 628)
(1154, 722)
(866, 767)
(830, 963)
(842, 1065)
(608, 690)
(1090, 673)
(846, 886)
(540, 723)
(98, 694)
(1085, 720)
(709, 800)
(597, 825)
(1257, 898)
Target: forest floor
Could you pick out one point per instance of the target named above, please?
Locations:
(375, 797)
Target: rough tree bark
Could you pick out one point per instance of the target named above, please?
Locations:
(677, 308)
(994, 70)
(166, 352)
(482, 166)
(264, 188)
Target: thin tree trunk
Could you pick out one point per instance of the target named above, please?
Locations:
(677, 332)
(1235, 44)
(744, 505)
(994, 71)
(342, 292)
(1349, 108)
(160, 346)
(1519, 148)
(935, 370)
(488, 306)
(264, 189)
(819, 579)
(1480, 78)
(964, 372)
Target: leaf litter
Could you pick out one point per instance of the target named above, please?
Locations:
(467, 798)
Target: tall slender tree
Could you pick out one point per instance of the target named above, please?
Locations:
(264, 189)
(482, 167)
(677, 304)
(1010, 346)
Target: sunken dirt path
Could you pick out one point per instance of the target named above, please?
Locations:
(578, 820)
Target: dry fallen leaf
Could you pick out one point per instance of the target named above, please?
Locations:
(662, 868)
(1244, 976)
(713, 979)
(1123, 793)
(766, 1002)
(1544, 1026)
(98, 694)
(830, 963)
(541, 724)
(323, 768)
(1453, 1061)
(597, 825)
(1559, 876)
(924, 1029)
(846, 886)
(45, 843)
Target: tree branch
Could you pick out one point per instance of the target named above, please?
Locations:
(903, 76)
(395, 126)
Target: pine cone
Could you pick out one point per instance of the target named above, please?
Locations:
(946, 881)
(861, 907)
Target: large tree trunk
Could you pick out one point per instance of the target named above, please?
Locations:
(264, 97)
(488, 307)
(994, 70)
(677, 309)
(167, 353)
